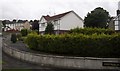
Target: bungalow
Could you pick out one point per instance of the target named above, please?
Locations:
(62, 22)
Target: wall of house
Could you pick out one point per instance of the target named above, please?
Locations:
(19, 26)
(11, 26)
(70, 21)
(26, 25)
(116, 23)
(119, 22)
(16, 26)
(42, 28)
(118, 18)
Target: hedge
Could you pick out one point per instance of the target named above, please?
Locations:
(94, 45)
(90, 31)
(13, 38)
(24, 32)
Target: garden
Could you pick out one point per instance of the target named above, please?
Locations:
(87, 42)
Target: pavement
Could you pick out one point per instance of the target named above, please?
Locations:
(9, 62)
(13, 63)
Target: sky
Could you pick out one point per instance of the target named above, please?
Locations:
(34, 9)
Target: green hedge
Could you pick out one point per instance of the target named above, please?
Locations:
(94, 45)
(13, 38)
(24, 32)
(90, 31)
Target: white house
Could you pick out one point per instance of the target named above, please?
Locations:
(62, 22)
(17, 26)
(117, 18)
(11, 26)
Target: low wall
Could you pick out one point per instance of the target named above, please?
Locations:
(64, 61)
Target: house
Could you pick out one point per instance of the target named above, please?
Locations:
(23, 25)
(27, 25)
(13, 26)
(116, 20)
(1, 25)
(17, 26)
(62, 22)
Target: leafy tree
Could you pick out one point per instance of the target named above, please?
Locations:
(49, 29)
(14, 21)
(13, 38)
(31, 21)
(4, 23)
(97, 18)
(35, 25)
(24, 32)
(20, 21)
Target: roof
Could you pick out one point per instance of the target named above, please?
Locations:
(48, 18)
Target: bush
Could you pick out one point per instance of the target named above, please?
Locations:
(24, 32)
(94, 45)
(13, 38)
(19, 37)
(90, 31)
(32, 41)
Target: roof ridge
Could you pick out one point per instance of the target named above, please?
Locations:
(61, 14)
(48, 18)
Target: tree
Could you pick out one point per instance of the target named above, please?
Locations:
(49, 29)
(97, 18)
(14, 21)
(24, 32)
(35, 26)
(13, 38)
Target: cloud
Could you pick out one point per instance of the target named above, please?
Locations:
(34, 9)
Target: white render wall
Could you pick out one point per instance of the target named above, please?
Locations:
(70, 21)
(119, 5)
(118, 16)
(14, 26)
(42, 28)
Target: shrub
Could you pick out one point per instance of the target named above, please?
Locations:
(94, 45)
(32, 41)
(19, 37)
(24, 32)
(90, 31)
(13, 38)
(49, 28)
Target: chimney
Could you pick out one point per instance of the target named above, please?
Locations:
(48, 16)
(118, 12)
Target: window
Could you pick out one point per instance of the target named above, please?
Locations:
(55, 22)
(42, 24)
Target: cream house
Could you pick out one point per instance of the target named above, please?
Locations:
(25, 25)
(62, 22)
(18, 26)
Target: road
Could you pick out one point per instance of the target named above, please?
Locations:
(0, 52)
(9, 62)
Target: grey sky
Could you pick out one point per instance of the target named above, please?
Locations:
(34, 9)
